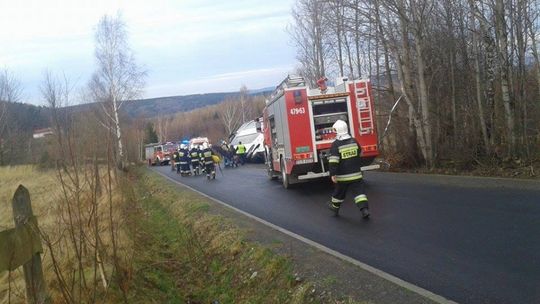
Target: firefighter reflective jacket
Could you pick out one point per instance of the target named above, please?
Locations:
(184, 156)
(207, 154)
(345, 161)
(241, 149)
(194, 153)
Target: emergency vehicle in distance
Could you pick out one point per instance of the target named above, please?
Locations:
(159, 153)
(197, 141)
(297, 126)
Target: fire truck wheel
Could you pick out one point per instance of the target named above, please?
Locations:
(285, 178)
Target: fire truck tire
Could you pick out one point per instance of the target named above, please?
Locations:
(285, 178)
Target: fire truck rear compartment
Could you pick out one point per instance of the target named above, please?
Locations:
(325, 114)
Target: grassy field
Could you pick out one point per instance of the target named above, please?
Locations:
(49, 204)
(41, 185)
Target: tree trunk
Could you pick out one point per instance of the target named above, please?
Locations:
(424, 103)
(478, 79)
(357, 38)
(118, 135)
(503, 70)
(453, 99)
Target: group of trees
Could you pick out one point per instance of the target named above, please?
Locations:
(466, 72)
(215, 122)
(87, 149)
(17, 121)
(117, 79)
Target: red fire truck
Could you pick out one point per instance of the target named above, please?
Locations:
(159, 154)
(297, 126)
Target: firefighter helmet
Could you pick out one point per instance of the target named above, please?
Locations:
(341, 127)
(205, 145)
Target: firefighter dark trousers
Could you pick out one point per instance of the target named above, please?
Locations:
(184, 168)
(210, 169)
(195, 165)
(357, 190)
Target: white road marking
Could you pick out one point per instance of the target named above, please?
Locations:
(409, 286)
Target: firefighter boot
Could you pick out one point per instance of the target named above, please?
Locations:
(365, 212)
(333, 208)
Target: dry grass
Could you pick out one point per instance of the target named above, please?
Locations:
(41, 184)
(49, 205)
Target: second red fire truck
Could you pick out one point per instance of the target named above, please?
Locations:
(297, 126)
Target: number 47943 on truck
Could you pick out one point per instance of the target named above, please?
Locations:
(297, 126)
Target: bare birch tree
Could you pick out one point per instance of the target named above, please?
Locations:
(308, 33)
(244, 102)
(230, 115)
(163, 124)
(118, 78)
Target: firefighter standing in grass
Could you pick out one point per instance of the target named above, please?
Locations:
(345, 163)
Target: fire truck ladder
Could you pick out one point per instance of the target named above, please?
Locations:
(365, 115)
(290, 82)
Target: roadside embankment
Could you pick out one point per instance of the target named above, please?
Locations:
(184, 254)
(312, 275)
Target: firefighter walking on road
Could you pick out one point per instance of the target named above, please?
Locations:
(176, 161)
(194, 154)
(345, 172)
(209, 166)
(184, 160)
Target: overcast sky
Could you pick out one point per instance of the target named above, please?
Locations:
(187, 46)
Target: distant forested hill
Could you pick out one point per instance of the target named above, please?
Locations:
(26, 117)
(16, 128)
(153, 107)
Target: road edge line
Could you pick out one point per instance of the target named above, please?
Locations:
(391, 278)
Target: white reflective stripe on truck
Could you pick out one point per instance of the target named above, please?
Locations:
(311, 175)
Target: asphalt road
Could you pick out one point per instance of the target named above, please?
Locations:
(471, 240)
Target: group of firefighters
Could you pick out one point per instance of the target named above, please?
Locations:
(199, 159)
(344, 165)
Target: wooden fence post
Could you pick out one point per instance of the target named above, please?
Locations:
(33, 272)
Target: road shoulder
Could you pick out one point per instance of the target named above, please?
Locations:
(332, 277)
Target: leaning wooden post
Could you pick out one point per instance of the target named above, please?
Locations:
(33, 273)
